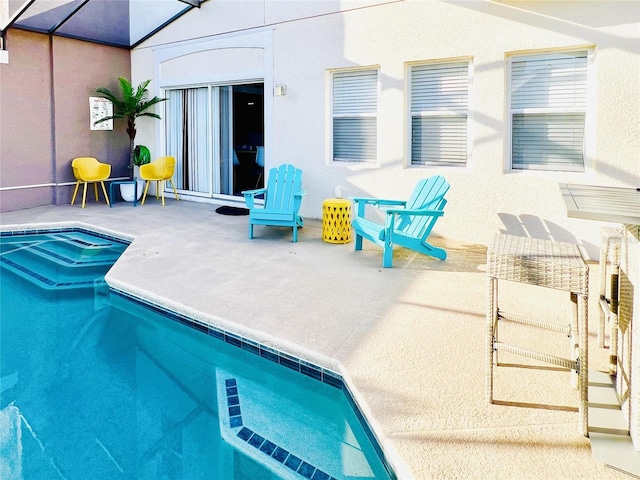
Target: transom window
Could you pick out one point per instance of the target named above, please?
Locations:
(439, 113)
(548, 110)
(355, 116)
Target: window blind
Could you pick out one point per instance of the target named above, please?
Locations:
(439, 113)
(548, 110)
(355, 107)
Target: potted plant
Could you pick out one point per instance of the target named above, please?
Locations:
(141, 156)
(134, 104)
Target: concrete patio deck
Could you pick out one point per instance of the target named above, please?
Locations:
(410, 339)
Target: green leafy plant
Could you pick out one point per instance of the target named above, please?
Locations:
(133, 104)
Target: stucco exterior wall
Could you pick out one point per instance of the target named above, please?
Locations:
(25, 106)
(44, 116)
(303, 43)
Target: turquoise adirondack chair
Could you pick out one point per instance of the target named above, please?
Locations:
(408, 223)
(282, 198)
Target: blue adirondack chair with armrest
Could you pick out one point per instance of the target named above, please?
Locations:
(282, 198)
(408, 223)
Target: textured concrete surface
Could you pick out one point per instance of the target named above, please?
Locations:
(410, 339)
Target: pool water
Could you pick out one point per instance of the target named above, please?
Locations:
(94, 385)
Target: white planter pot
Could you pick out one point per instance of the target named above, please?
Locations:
(127, 191)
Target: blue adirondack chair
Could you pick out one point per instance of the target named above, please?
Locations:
(408, 223)
(282, 198)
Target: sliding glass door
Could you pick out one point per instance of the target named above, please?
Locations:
(215, 132)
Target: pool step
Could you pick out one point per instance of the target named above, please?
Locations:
(293, 441)
(49, 253)
(44, 281)
(67, 249)
(67, 260)
(608, 430)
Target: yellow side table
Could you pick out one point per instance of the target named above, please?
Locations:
(336, 220)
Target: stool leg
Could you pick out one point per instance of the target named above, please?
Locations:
(574, 337)
(583, 364)
(492, 317)
(603, 279)
(613, 316)
(613, 339)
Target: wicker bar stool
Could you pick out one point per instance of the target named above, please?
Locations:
(610, 241)
(544, 263)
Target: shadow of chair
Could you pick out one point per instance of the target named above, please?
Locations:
(89, 170)
(282, 198)
(159, 171)
(408, 223)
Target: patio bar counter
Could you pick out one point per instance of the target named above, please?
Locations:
(619, 205)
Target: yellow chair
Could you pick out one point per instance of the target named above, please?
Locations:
(158, 171)
(89, 170)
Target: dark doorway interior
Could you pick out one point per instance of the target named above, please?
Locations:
(248, 137)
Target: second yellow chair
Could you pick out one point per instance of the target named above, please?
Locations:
(159, 171)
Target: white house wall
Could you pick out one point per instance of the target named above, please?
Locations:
(303, 41)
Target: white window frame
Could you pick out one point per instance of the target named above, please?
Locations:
(363, 104)
(452, 100)
(585, 106)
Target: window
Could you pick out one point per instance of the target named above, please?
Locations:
(355, 110)
(439, 113)
(548, 107)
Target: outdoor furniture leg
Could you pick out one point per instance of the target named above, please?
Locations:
(75, 192)
(574, 341)
(492, 317)
(144, 195)
(584, 364)
(84, 194)
(174, 189)
(104, 190)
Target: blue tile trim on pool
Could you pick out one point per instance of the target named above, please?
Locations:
(233, 403)
(251, 346)
(265, 445)
(31, 273)
(44, 231)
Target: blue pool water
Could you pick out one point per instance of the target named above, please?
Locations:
(95, 385)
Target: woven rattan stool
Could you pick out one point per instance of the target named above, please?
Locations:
(548, 264)
(610, 240)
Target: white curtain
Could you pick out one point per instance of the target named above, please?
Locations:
(188, 138)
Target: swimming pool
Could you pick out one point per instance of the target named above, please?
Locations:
(95, 384)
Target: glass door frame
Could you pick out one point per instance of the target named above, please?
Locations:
(215, 154)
